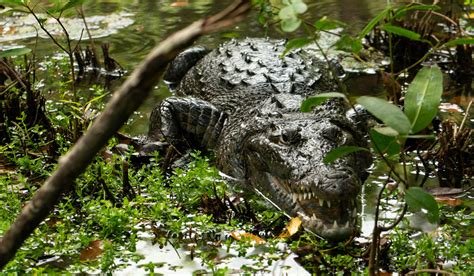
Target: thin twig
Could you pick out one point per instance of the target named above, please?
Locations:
(430, 271)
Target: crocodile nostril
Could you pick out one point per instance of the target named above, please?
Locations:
(337, 175)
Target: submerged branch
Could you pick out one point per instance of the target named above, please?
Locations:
(124, 102)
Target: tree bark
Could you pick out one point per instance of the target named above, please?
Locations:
(123, 103)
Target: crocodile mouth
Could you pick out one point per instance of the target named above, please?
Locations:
(332, 218)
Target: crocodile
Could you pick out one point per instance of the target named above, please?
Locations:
(242, 102)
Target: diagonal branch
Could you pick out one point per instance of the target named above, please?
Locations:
(124, 102)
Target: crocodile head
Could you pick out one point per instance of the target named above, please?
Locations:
(283, 158)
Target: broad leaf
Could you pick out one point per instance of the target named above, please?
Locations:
(349, 44)
(459, 41)
(291, 228)
(286, 13)
(401, 32)
(71, 4)
(289, 25)
(418, 200)
(242, 235)
(11, 2)
(388, 113)
(339, 152)
(423, 97)
(296, 43)
(384, 141)
(299, 6)
(15, 52)
(308, 104)
(325, 24)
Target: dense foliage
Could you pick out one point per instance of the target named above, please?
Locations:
(120, 201)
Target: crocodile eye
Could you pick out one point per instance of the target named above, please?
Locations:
(291, 136)
(333, 134)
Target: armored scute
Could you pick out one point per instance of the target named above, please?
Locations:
(242, 102)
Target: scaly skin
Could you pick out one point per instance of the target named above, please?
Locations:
(242, 102)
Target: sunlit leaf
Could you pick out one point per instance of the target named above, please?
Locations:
(71, 4)
(296, 43)
(450, 201)
(286, 13)
(291, 228)
(312, 101)
(419, 200)
(299, 6)
(423, 97)
(388, 113)
(242, 235)
(401, 32)
(339, 152)
(387, 131)
(400, 12)
(93, 251)
(289, 25)
(459, 41)
(325, 24)
(15, 52)
(11, 2)
(371, 25)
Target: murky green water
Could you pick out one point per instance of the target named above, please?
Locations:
(133, 28)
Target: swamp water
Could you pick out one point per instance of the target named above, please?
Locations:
(133, 28)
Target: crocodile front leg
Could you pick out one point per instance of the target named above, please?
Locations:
(188, 122)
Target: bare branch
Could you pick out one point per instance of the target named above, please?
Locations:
(124, 102)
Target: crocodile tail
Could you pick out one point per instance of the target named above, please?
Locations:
(182, 63)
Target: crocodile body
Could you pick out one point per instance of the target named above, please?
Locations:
(242, 102)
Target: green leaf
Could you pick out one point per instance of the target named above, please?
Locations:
(388, 113)
(371, 25)
(401, 32)
(325, 24)
(11, 2)
(296, 43)
(286, 13)
(459, 41)
(289, 25)
(418, 200)
(400, 12)
(349, 44)
(384, 141)
(299, 6)
(15, 52)
(423, 97)
(71, 4)
(308, 103)
(339, 152)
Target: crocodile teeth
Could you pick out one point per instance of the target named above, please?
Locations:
(354, 212)
(321, 202)
(295, 197)
(319, 224)
(346, 225)
(334, 224)
(329, 204)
